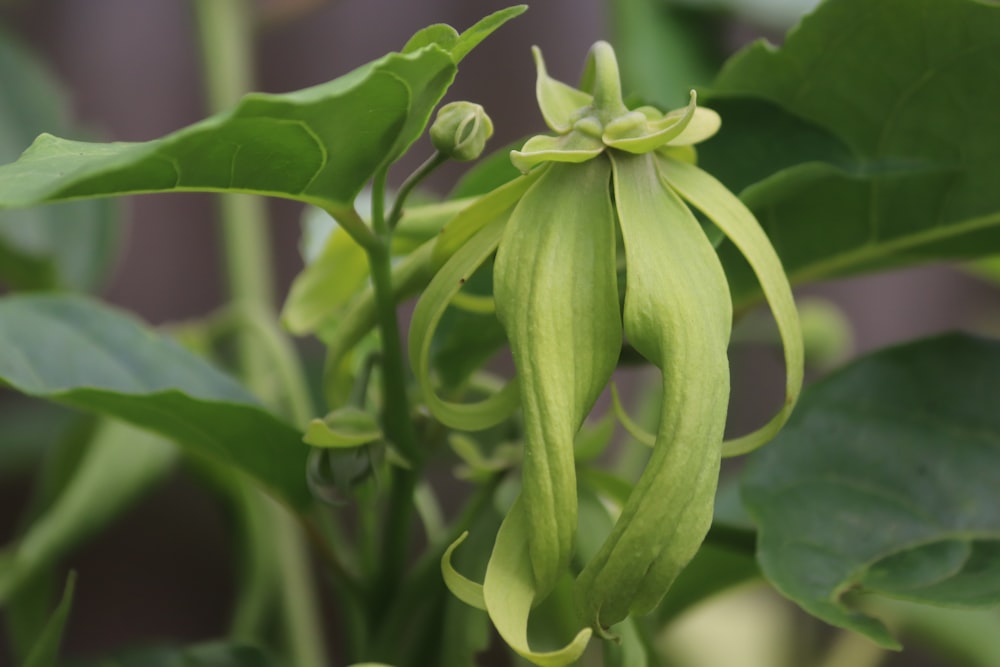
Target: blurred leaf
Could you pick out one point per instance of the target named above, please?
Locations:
(69, 245)
(216, 654)
(27, 430)
(46, 650)
(318, 145)
(884, 481)
(122, 463)
(661, 50)
(902, 84)
(75, 351)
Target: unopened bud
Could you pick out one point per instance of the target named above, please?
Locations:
(461, 130)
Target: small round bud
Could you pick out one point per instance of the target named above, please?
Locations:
(461, 130)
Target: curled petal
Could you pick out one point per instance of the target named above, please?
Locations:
(556, 294)
(574, 147)
(678, 315)
(703, 125)
(634, 133)
(426, 316)
(559, 102)
(736, 221)
(509, 592)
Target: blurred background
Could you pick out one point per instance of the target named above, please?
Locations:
(131, 72)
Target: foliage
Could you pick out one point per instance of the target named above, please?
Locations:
(865, 142)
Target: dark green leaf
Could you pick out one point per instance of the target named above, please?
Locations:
(903, 84)
(885, 481)
(68, 245)
(215, 654)
(77, 352)
(46, 650)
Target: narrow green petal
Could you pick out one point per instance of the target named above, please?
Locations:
(556, 294)
(462, 587)
(633, 428)
(574, 147)
(736, 221)
(509, 592)
(496, 204)
(649, 135)
(426, 316)
(678, 315)
(559, 102)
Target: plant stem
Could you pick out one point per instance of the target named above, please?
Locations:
(226, 36)
(429, 165)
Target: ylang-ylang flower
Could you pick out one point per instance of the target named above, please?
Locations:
(606, 172)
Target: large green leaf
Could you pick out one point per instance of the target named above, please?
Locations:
(75, 351)
(905, 85)
(319, 145)
(66, 245)
(885, 481)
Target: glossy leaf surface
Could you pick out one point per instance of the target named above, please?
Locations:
(318, 145)
(77, 352)
(884, 481)
(901, 84)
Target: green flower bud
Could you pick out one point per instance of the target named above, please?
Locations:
(461, 130)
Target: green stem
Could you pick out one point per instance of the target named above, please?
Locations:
(424, 170)
(226, 36)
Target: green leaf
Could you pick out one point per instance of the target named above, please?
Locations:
(215, 654)
(899, 82)
(46, 650)
(884, 481)
(662, 50)
(75, 351)
(70, 245)
(121, 464)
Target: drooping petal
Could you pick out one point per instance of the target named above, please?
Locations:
(558, 101)
(678, 315)
(573, 147)
(510, 590)
(426, 316)
(556, 295)
(736, 221)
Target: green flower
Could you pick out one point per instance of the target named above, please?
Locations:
(607, 170)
